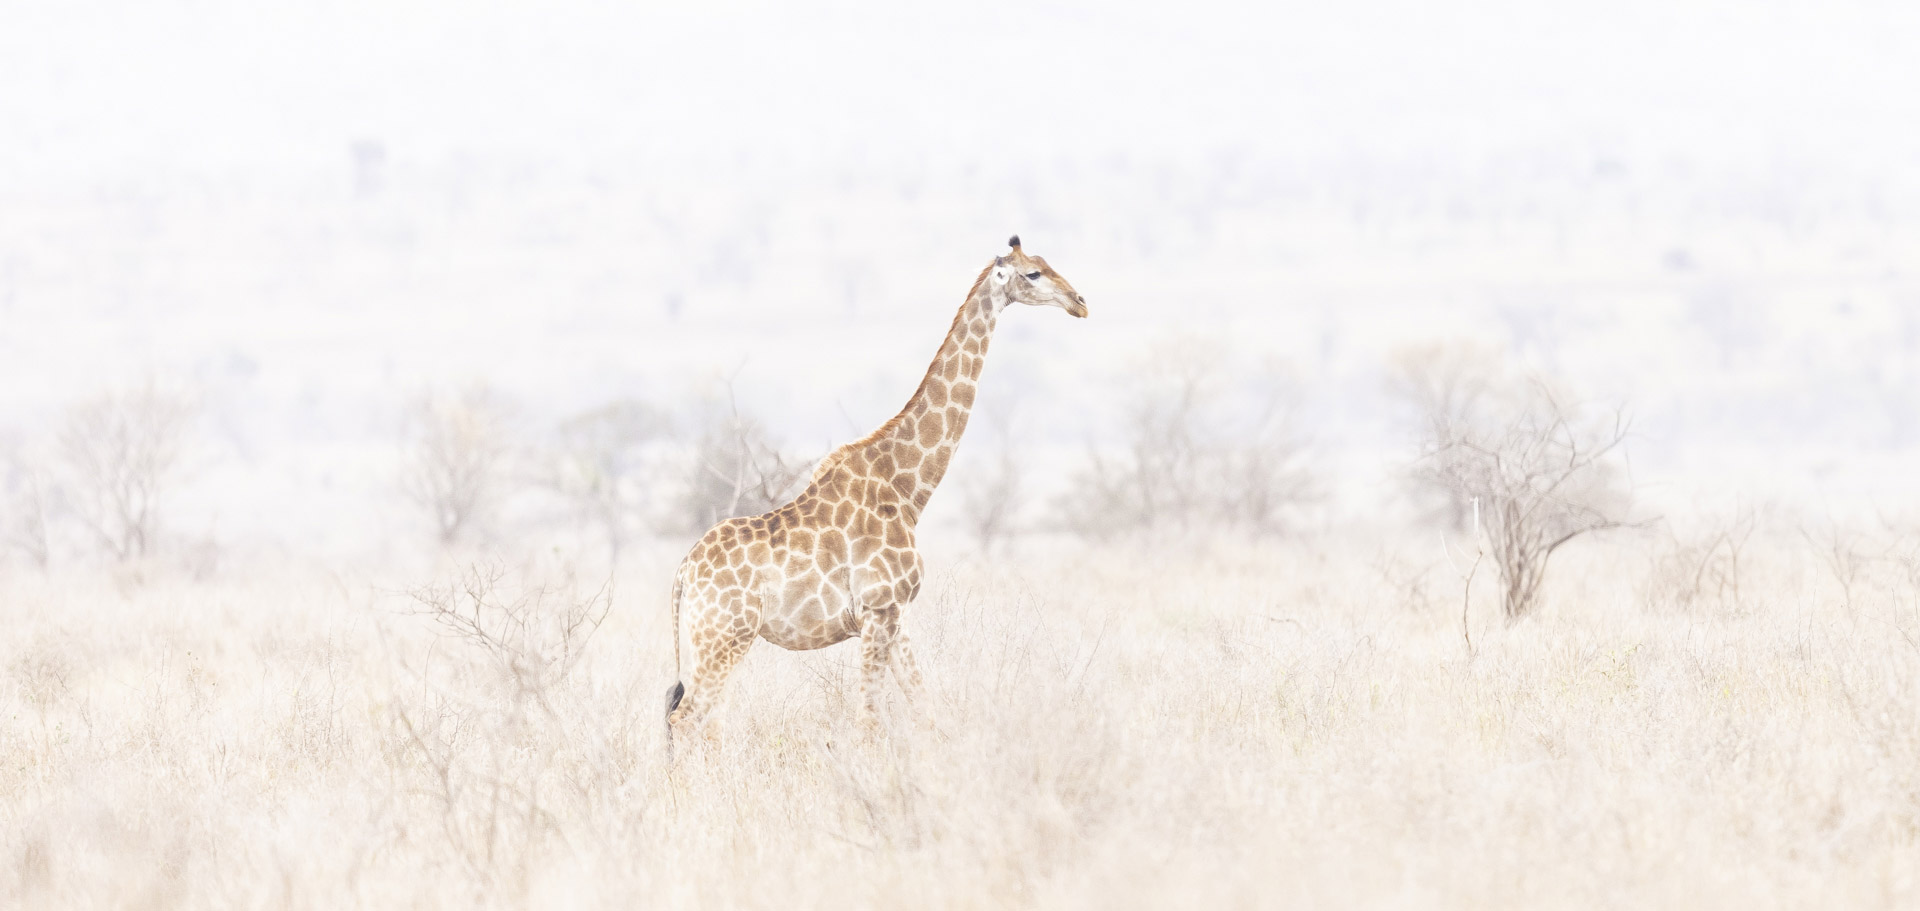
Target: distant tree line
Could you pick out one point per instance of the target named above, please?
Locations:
(1202, 445)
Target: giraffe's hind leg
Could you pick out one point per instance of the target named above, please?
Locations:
(715, 655)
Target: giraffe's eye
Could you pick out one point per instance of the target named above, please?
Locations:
(1033, 276)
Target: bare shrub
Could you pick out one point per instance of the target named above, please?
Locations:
(1903, 564)
(732, 468)
(1263, 474)
(991, 494)
(120, 455)
(1536, 471)
(458, 460)
(1446, 386)
(1701, 569)
(1201, 446)
(1847, 553)
(1405, 579)
(482, 736)
(601, 466)
(26, 503)
(531, 637)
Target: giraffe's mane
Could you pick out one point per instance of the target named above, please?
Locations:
(839, 455)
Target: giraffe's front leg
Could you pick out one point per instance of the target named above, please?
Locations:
(879, 630)
(906, 589)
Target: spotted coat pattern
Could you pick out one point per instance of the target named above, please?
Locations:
(839, 560)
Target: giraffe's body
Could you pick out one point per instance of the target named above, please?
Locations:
(839, 560)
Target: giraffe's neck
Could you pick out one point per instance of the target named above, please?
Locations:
(920, 440)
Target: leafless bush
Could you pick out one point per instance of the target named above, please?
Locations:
(991, 495)
(1902, 560)
(1702, 569)
(732, 468)
(1848, 554)
(120, 454)
(1199, 449)
(1447, 387)
(26, 502)
(1536, 471)
(531, 637)
(1405, 579)
(458, 460)
(484, 734)
(601, 467)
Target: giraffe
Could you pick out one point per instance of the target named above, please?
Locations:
(839, 560)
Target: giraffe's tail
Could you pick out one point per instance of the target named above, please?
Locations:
(679, 688)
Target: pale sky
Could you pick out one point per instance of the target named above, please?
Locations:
(1708, 211)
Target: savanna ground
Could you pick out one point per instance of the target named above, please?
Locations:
(1282, 724)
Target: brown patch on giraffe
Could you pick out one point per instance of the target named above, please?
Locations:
(951, 369)
(936, 464)
(888, 510)
(832, 488)
(936, 396)
(963, 394)
(909, 458)
(931, 429)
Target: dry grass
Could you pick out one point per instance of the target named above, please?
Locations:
(1299, 726)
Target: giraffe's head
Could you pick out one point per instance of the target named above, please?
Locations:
(1021, 279)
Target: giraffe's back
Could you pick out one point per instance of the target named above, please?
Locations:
(788, 583)
(791, 572)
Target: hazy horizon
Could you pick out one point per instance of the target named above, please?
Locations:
(1708, 213)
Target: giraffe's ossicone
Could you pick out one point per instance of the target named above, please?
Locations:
(839, 561)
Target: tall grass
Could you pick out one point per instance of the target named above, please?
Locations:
(1296, 725)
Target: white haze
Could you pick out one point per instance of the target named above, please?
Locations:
(1710, 211)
